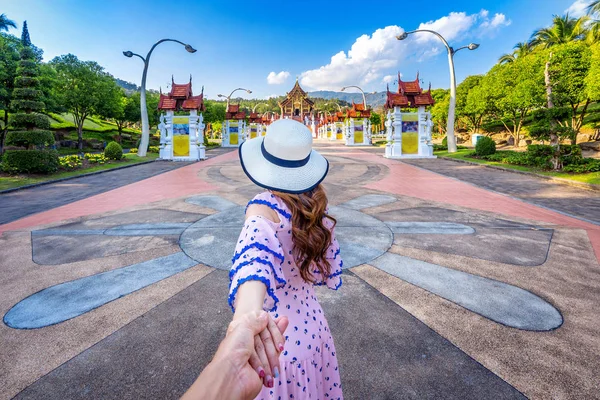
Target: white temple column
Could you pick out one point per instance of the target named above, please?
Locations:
(201, 147)
(163, 137)
(168, 152)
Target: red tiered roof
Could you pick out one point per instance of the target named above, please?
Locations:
(254, 118)
(409, 94)
(181, 98)
(358, 111)
(233, 112)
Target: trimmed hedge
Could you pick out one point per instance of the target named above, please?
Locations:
(30, 161)
(29, 138)
(485, 146)
(31, 120)
(113, 151)
(26, 93)
(26, 81)
(27, 105)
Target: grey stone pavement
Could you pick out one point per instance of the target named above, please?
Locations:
(578, 202)
(22, 203)
(141, 360)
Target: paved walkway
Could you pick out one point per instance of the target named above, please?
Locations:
(21, 203)
(581, 203)
(446, 312)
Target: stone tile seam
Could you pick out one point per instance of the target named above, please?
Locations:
(532, 291)
(127, 324)
(379, 293)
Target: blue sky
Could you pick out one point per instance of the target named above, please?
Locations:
(326, 44)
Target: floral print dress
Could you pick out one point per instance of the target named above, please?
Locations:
(308, 364)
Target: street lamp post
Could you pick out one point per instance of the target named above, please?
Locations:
(230, 94)
(256, 105)
(339, 107)
(144, 110)
(363, 94)
(452, 106)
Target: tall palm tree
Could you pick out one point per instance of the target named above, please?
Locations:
(594, 8)
(520, 49)
(6, 23)
(564, 29)
(594, 28)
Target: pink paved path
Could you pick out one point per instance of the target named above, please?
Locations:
(403, 179)
(177, 183)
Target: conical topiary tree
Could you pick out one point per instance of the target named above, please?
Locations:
(31, 136)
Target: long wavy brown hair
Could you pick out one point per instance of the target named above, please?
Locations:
(310, 235)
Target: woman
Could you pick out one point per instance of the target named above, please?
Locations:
(286, 247)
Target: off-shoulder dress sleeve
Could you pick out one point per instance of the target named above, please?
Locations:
(258, 257)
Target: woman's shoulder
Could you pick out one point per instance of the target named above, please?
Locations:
(272, 201)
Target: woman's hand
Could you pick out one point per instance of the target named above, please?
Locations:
(268, 345)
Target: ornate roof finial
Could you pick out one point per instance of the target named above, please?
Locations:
(190, 78)
(160, 90)
(172, 80)
(417, 76)
(202, 93)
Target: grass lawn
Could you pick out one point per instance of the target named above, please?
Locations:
(13, 181)
(591, 177)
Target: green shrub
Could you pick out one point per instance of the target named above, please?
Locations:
(485, 146)
(29, 138)
(445, 142)
(153, 149)
(133, 150)
(30, 161)
(69, 162)
(586, 165)
(113, 151)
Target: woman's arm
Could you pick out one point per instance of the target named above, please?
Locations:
(250, 298)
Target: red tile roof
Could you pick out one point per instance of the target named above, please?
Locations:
(424, 99)
(194, 103)
(396, 100)
(233, 108)
(167, 103)
(181, 91)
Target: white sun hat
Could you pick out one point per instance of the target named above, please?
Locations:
(283, 160)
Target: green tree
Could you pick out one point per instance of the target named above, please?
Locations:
(439, 111)
(25, 39)
(471, 104)
(9, 58)
(514, 90)
(127, 111)
(592, 80)
(521, 49)
(568, 70)
(564, 29)
(83, 88)
(31, 132)
(375, 118)
(6, 23)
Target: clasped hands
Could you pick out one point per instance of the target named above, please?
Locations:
(268, 346)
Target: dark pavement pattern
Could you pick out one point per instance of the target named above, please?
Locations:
(578, 202)
(389, 355)
(22, 203)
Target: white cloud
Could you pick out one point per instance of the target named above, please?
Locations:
(374, 58)
(389, 78)
(277, 78)
(490, 26)
(578, 8)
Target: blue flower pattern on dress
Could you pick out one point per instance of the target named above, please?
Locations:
(309, 367)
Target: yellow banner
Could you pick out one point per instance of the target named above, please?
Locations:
(410, 143)
(181, 136)
(358, 131)
(339, 130)
(233, 132)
